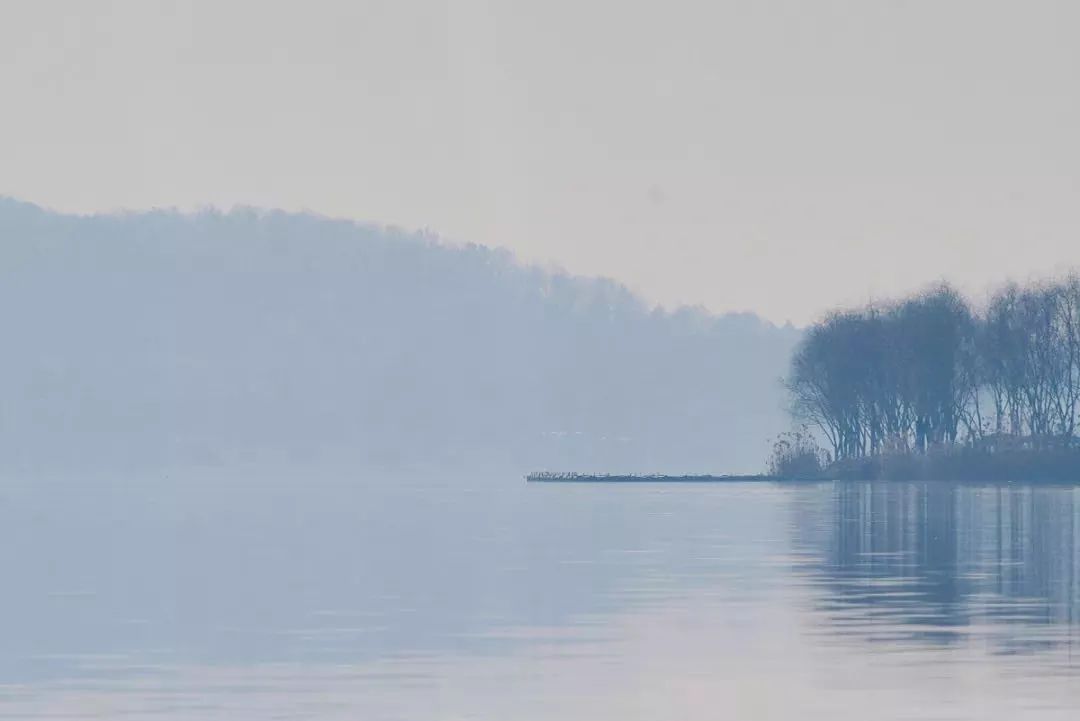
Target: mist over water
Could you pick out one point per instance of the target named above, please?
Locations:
(274, 469)
(264, 453)
(327, 593)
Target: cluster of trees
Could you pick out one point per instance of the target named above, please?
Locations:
(932, 370)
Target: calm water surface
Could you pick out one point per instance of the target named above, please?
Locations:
(336, 596)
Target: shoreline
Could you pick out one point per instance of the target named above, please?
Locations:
(546, 477)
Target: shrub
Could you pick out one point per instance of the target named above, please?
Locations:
(795, 454)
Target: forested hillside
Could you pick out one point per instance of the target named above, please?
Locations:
(147, 339)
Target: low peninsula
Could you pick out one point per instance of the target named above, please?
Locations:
(549, 477)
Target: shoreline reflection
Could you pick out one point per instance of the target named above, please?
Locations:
(939, 563)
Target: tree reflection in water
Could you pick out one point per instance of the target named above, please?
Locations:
(938, 563)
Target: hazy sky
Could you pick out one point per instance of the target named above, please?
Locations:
(774, 156)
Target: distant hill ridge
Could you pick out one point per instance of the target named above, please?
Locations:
(145, 338)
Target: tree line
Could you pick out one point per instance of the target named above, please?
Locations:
(933, 370)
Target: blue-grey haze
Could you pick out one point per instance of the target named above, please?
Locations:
(160, 339)
(259, 464)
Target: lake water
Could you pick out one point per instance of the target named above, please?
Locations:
(338, 596)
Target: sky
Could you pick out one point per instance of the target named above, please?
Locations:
(776, 156)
